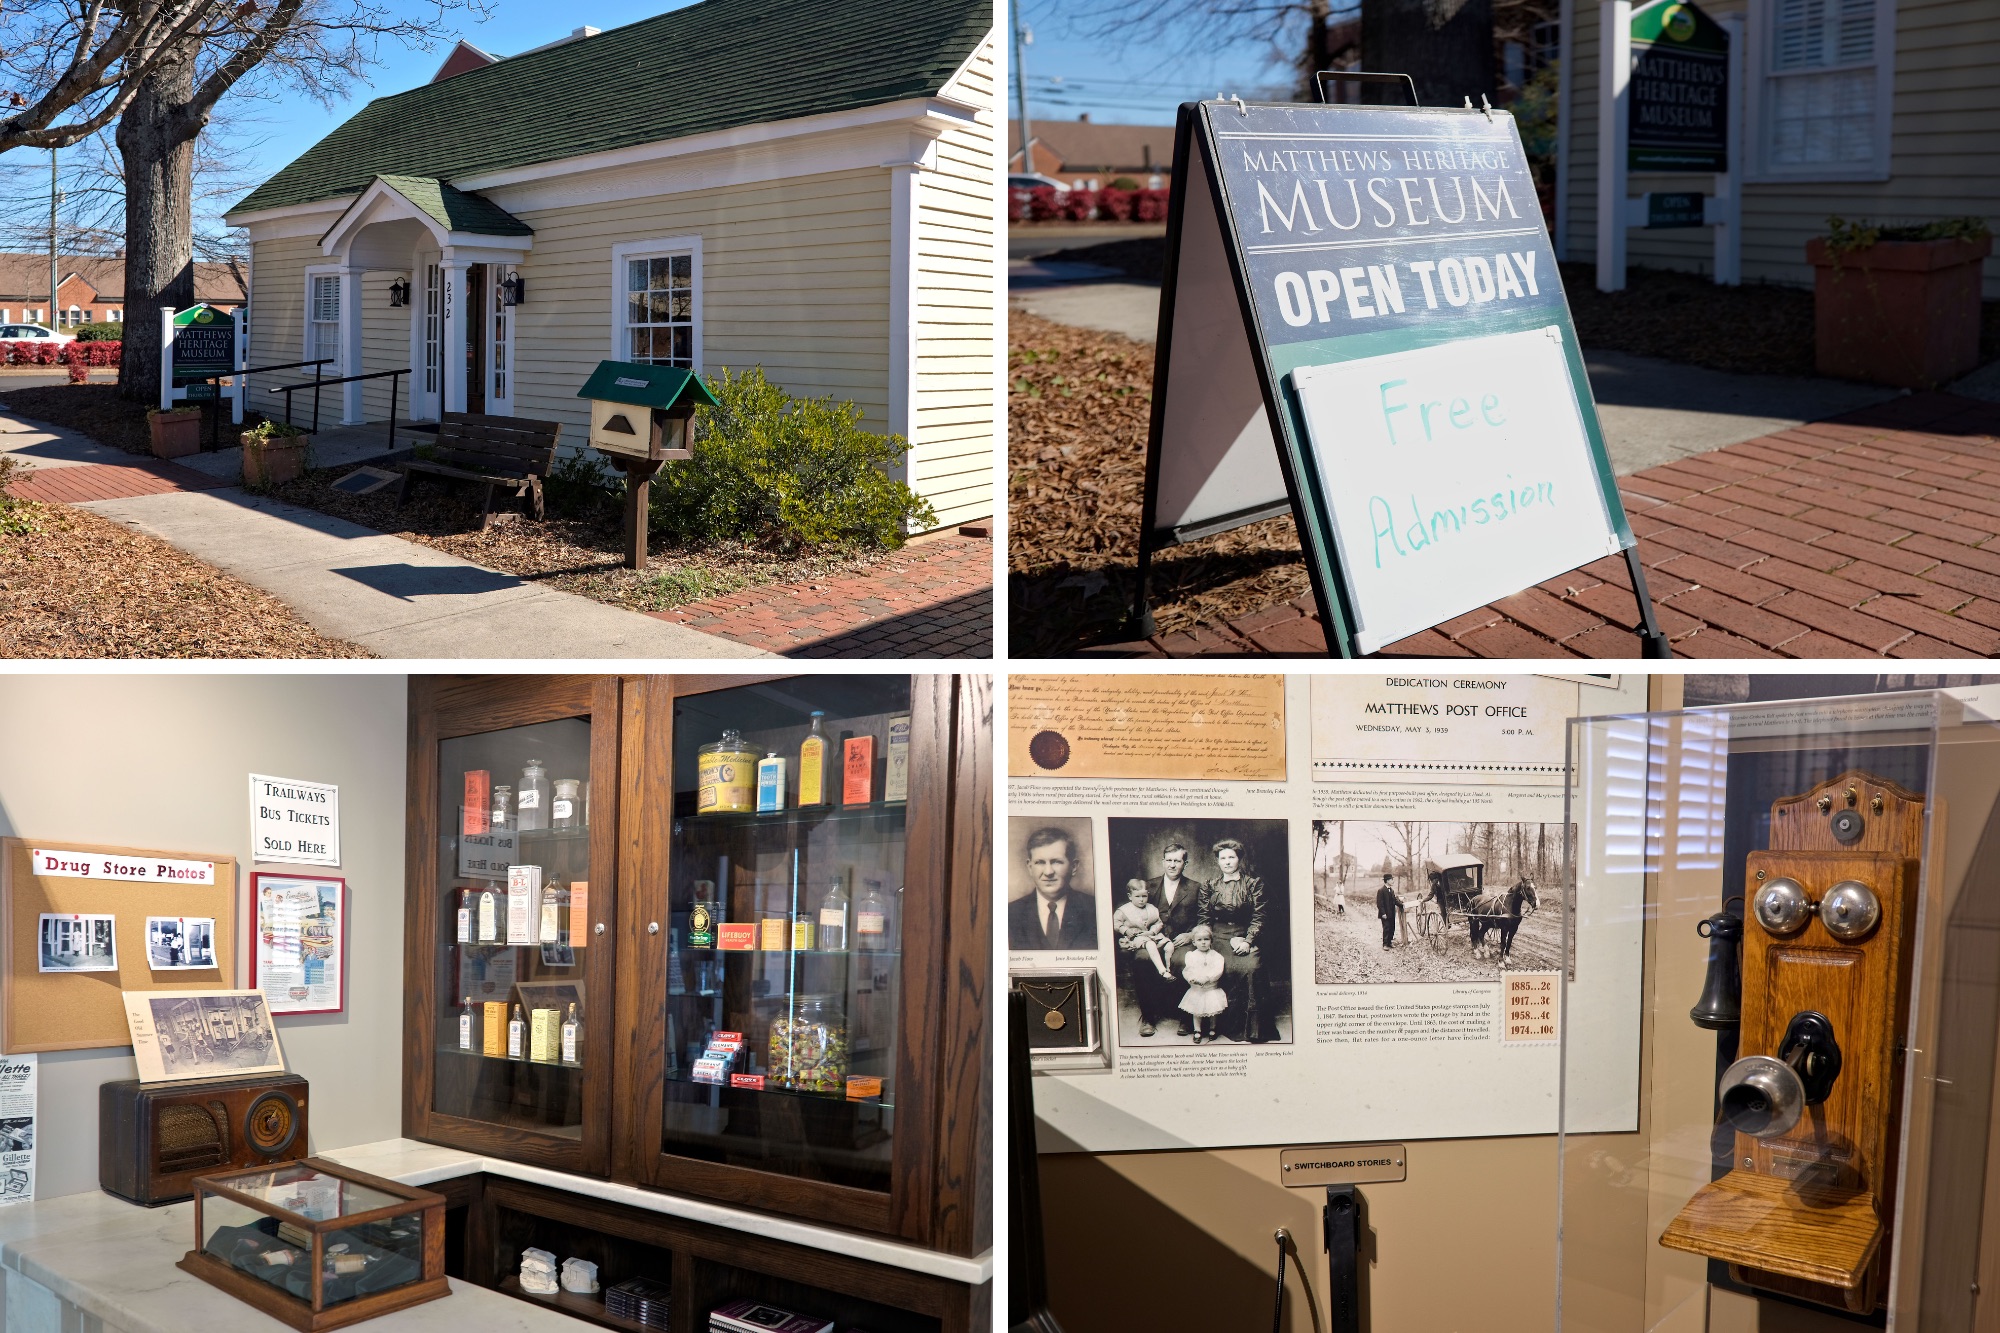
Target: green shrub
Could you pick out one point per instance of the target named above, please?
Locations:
(18, 517)
(267, 430)
(782, 472)
(580, 485)
(1125, 183)
(1843, 237)
(101, 332)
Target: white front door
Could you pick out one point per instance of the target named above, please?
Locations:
(500, 342)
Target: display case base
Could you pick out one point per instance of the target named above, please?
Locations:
(288, 1309)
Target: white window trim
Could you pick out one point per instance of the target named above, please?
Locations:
(621, 345)
(1756, 120)
(306, 309)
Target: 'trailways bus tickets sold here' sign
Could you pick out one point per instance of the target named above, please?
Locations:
(1363, 323)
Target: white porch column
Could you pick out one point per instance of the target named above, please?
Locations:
(351, 411)
(904, 182)
(1614, 81)
(452, 274)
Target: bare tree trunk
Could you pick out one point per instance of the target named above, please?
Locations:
(156, 141)
(1445, 45)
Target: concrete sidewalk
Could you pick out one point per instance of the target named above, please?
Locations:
(396, 598)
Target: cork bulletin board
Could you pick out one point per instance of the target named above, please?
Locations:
(70, 1011)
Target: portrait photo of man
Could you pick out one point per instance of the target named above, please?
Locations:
(1051, 904)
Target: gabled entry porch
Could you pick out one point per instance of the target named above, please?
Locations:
(446, 262)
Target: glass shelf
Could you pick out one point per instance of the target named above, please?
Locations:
(773, 1090)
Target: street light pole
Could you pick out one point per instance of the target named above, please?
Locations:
(1023, 38)
(55, 197)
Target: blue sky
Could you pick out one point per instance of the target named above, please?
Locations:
(1136, 80)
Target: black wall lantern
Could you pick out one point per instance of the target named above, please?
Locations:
(399, 292)
(513, 289)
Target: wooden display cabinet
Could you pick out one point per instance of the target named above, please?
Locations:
(912, 1161)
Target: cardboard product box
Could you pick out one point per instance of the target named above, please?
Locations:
(859, 785)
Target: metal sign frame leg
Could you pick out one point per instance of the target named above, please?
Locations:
(1344, 1220)
(1653, 644)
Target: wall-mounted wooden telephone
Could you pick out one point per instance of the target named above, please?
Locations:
(1815, 1093)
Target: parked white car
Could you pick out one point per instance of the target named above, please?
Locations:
(27, 332)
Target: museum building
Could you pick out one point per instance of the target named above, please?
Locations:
(739, 183)
(636, 1002)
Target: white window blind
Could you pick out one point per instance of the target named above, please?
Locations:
(1823, 83)
(324, 307)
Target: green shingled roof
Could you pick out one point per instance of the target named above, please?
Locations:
(710, 66)
(455, 209)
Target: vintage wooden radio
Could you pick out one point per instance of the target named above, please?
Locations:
(153, 1139)
(1805, 1207)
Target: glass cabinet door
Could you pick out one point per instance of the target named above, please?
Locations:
(514, 876)
(785, 927)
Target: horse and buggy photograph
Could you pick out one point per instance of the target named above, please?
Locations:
(1425, 901)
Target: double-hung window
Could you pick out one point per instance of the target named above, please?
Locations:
(658, 294)
(1826, 89)
(323, 318)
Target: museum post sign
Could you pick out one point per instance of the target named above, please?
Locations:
(1362, 324)
(197, 345)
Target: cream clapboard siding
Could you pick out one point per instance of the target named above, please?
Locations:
(278, 321)
(795, 278)
(1944, 154)
(956, 426)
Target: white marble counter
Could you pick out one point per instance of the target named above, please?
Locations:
(415, 1163)
(114, 1262)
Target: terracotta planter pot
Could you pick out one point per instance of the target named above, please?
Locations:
(272, 463)
(176, 434)
(1904, 313)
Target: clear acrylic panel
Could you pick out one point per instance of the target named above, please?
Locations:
(509, 969)
(784, 942)
(1689, 1198)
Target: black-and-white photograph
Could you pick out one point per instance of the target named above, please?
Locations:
(212, 1034)
(180, 943)
(17, 1133)
(1411, 900)
(1050, 903)
(87, 943)
(1200, 910)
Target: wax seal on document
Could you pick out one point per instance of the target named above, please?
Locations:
(1049, 749)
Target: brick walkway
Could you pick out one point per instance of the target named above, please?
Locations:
(81, 482)
(934, 598)
(1874, 534)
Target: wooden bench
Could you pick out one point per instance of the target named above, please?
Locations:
(513, 452)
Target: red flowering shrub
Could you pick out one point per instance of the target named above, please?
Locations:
(1043, 204)
(1149, 205)
(1079, 205)
(1116, 205)
(38, 352)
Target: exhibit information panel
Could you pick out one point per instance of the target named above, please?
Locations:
(1816, 926)
(784, 937)
(1300, 909)
(514, 812)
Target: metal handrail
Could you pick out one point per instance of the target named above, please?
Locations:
(215, 417)
(318, 383)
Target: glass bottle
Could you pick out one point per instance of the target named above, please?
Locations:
(812, 764)
(572, 1037)
(704, 914)
(567, 811)
(871, 918)
(465, 909)
(808, 1046)
(503, 807)
(833, 918)
(516, 1032)
(531, 802)
(489, 917)
(555, 907)
(465, 1026)
(803, 921)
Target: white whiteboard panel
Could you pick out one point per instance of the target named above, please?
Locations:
(1455, 475)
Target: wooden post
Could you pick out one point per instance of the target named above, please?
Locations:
(638, 476)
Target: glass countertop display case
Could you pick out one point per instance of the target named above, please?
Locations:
(318, 1245)
(1781, 1113)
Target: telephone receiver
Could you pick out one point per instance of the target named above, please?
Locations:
(1819, 997)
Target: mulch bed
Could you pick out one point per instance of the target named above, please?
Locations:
(1077, 419)
(1757, 328)
(582, 555)
(102, 413)
(82, 586)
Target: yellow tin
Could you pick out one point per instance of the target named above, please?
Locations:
(727, 775)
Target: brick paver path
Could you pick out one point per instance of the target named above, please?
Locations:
(932, 599)
(1874, 534)
(81, 482)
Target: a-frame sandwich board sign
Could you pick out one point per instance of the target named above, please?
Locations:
(1362, 323)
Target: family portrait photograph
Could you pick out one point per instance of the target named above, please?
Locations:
(1050, 903)
(1412, 900)
(1199, 911)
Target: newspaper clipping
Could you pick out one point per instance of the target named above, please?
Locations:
(18, 1074)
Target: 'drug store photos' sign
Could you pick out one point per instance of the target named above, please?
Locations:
(1363, 325)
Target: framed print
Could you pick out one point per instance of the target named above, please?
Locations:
(179, 1034)
(300, 942)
